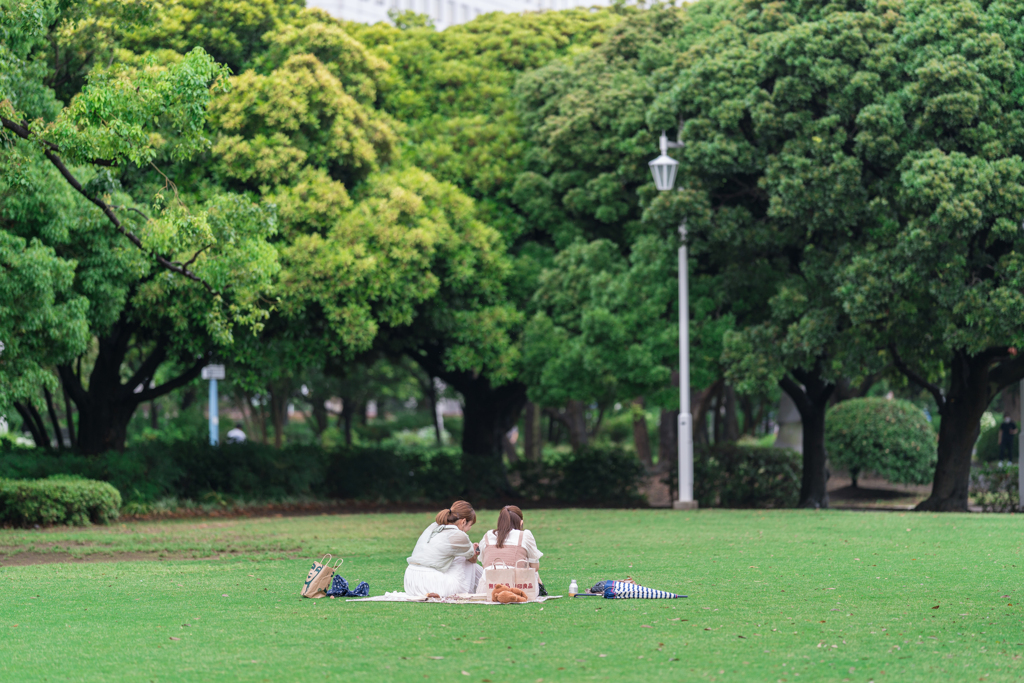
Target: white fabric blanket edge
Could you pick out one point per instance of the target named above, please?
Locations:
(460, 599)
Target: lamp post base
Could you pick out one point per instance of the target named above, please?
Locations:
(684, 505)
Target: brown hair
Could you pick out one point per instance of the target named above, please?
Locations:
(460, 509)
(510, 517)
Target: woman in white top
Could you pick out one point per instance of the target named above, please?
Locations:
(510, 542)
(444, 559)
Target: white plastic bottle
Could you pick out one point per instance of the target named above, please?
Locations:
(573, 589)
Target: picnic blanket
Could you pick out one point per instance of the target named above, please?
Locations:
(457, 599)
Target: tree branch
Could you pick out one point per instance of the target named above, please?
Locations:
(1008, 371)
(49, 151)
(934, 390)
(555, 415)
(23, 132)
(179, 381)
(73, 383)
(147, 369)
(799, 396)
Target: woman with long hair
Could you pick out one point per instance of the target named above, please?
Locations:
(510, 542)
(444, 559)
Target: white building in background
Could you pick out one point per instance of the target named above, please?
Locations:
(444, 13)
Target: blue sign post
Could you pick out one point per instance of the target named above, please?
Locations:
(214, 373)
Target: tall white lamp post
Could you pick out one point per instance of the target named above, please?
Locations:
(214, 373)
(664, 170)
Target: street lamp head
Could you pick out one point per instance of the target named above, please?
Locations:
(664, 168)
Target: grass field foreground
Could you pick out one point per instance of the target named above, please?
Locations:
(774, 596)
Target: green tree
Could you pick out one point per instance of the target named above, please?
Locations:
(160, 275)
(600, 332)
(940, 284)
(774, 179)
(587, 179)
(453, 93)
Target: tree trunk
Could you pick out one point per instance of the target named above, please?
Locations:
(574, 419)
(319, 411)
(532, 433)
(668, 439)
(278, 412)
(53, 418)
(641, 438)
(106, 408)
(70, 417)
(750, 420)
(700, 411)
(732, 425)
(812, 402)
(348, 408)
(718, 414)
(36, 429)
(259, 416)
(970, 391)
(489, 413)
(576, 423)
(432, 398)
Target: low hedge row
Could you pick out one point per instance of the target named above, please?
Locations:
(57, 500)
(733, 476)
(725, 475)
(594, 476)
(191, 470)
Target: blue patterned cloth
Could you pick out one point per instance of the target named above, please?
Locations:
(339, 589)
(624, 589)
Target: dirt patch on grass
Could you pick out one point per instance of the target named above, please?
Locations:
(30, 558)
(281, 510)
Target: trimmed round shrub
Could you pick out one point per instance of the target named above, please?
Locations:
(60, 499)
(891, 438)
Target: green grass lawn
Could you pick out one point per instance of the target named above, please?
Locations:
(774, 596)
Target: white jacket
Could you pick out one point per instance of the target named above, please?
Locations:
(438, 546)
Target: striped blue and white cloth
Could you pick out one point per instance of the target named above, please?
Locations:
(625, 589)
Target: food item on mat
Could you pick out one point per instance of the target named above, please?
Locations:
(506, 594)
(433, 595)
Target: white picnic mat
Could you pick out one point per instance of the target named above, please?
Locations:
(457, 599)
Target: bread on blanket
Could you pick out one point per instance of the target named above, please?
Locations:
(433, 595)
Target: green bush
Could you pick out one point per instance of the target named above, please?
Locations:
(600, 475)
(890, 438)
(995, 487)
(57, 500)
(734, 476)
(596, 475)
